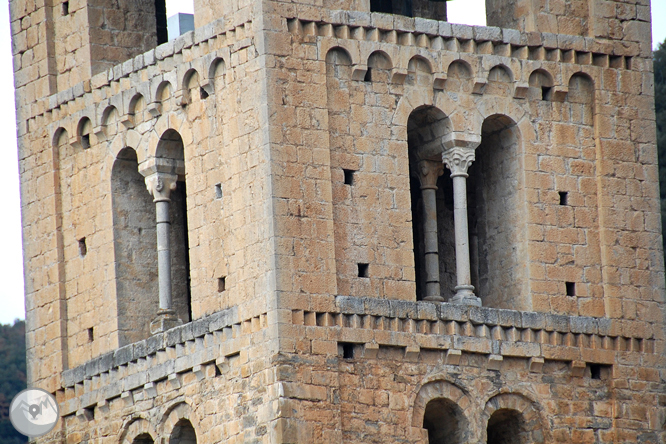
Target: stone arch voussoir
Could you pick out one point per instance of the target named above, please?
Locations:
(537, 430)
(136, 426)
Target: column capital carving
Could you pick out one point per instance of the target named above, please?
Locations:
(458, 160)
(428, 172)
(160, 186)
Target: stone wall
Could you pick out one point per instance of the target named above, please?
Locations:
(296, 127)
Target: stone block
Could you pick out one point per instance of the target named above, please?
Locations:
(453, 357)
(359, 18)
(487, 33)
(559, 323)
(426, 310)
(426, 26)
(483, 315)
(200, 327)
(139, 349)
(495, 362)
(412, 352)
(578, 368)
(522, 349)
(536, 364)
(173, 336)
(509, 318)
(453, 312)
(535, 321)
(580, 324)
(370, 350)
(463, 32)
(350, 304)
(154, 343)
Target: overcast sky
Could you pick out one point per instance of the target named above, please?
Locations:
(470, 12)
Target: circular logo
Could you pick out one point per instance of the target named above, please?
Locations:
(34, 412)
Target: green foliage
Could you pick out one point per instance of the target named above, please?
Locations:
(660, 111)
(12, 377)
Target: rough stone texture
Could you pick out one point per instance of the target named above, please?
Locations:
(297, 259)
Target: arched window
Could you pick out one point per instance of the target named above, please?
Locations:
(506, 426)
(444, 422)
(495, 202)
(135, 245)
(183, 433)
(143, 438)
(425, 128)
(170, 151)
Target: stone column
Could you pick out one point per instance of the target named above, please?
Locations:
(429, 171)
(458, 160)
(160, 186)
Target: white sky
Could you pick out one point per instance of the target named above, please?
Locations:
(470, 12)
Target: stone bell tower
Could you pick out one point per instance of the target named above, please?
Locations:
(342, 221)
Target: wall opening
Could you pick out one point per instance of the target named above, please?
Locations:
(495, 188)
(170, 150)
(135, 246)
(425, 128)
(429, 9)
(161, 22)
(143, 438)
(506, 426)
(444, 422)
(183, 433)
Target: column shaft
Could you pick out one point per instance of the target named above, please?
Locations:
(458, 160)
(461, 230)
(164, 253)
(433, 291)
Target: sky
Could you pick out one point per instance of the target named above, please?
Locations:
(471, 12)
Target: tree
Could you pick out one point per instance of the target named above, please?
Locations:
(660, 111)
(12, 377)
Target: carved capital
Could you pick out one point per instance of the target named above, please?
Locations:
(429, 171)
(458, 160)
(160, 186)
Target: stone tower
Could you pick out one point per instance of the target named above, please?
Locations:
(342, 221)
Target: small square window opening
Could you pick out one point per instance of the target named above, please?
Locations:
(221, 284)
(83, 249)
(363, 270)
(564, 198)
(349, 176)
(571, 288)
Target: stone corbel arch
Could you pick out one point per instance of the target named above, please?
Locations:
(181, 410)
(135, 427)
(350, 46)
(440, 389)
(536, 428)
(172, 121)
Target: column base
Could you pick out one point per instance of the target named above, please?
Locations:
(434, 299)
(164, 320)
(465, 295)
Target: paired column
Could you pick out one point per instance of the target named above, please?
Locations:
(429, 171)
(458, 160)
(160, 185)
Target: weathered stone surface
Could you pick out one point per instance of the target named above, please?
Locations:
(297, 222)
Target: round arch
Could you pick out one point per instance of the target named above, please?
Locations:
(443, 409)
(180, 424)
(137, 431)
(513, 418)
